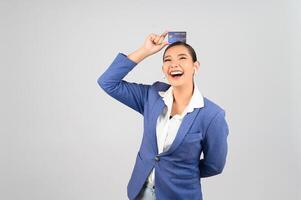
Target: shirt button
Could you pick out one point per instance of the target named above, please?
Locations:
(157, 158)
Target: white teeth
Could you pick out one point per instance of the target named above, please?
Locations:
(176, 72)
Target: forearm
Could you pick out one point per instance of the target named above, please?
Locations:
(112, 80)
(215, 146)
(138, 55)
(207, 170)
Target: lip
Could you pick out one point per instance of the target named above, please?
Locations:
(176, 77)
(175, 71)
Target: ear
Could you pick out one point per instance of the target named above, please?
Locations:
(196, 64)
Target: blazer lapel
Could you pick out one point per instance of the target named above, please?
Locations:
(157, 110)
(182, 131)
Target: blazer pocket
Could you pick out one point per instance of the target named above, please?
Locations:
(194, 132)
(193, 137)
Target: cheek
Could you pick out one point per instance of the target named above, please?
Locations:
(164, 69)
(189, 71)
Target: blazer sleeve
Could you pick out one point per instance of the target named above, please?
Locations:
(111, 81)
(214, 146)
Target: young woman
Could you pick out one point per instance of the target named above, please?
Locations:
(179, 123)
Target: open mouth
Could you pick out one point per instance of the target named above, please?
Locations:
(176, 74)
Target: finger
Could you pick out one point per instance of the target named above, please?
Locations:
(152, 37)
(164, 34)
(157, 39)
(164, 43)
(161, 40)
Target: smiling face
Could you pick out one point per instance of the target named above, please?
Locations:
(178, 66)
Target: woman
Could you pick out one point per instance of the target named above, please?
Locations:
(179, 123)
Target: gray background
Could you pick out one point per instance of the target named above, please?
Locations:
(63, 138)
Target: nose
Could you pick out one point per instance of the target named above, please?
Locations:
(174, 64)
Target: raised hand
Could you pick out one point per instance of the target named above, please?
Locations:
(152, 44)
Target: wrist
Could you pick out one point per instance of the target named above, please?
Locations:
(138, 55)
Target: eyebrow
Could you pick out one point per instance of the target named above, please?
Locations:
(181, 54)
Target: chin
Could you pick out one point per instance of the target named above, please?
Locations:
(176, 83)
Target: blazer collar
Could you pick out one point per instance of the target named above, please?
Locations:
(188, 119)
(196, 101)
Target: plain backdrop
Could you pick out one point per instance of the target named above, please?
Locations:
(62, 137)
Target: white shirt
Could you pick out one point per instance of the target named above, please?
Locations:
(167, 128)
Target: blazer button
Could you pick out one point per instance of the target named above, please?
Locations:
(157, 158)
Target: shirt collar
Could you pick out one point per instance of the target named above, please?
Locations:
(196, 101)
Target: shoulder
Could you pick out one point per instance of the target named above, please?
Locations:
(159, 86)
(210, 112)
(212, 106)
(209, 105)
(156, 87)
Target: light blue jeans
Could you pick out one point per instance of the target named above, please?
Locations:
(147, 193)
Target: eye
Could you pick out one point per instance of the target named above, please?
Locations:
(166, 60)
(182, 58)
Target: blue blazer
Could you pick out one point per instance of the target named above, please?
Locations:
(179, 169)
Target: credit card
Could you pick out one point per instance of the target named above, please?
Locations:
(175, 36)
